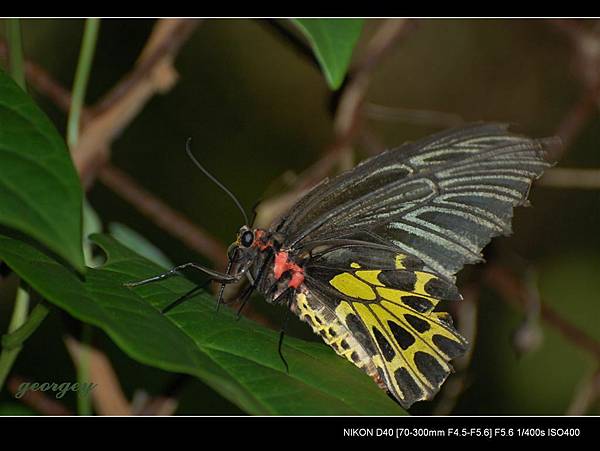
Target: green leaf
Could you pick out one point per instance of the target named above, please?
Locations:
(133, 240)
(333, 41)
(238, 359)
(15, 409)
(40, 193)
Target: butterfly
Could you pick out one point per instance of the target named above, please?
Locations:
(365, 257)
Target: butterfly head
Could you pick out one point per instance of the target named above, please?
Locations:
(250, 242)
(244, 248)
(245, 237)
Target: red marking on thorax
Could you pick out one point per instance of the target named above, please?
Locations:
(258, 240)
(282, 265)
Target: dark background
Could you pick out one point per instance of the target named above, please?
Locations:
(256, 110)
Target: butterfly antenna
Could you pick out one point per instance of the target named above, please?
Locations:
(188, 150)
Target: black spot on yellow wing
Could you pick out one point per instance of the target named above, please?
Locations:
(360, 333)
(441, 289)
(449, 347)
(418, 303)
(385, 346)
(420, 325)
(357, 257)
(420, 291)
(402, 280)
(408, 262)
(412, 390)
(429, 366)
(404, 338)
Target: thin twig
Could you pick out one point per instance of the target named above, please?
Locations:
(82, 75)
(586, 46)
(412, 116)
(586, 395)
(17, 320)
(515, 293)
(575, 120)
(144, 404)
(158, 54)
(154, 73)
(18, 336)
(571, 178)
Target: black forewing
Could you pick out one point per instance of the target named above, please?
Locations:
(440, 199)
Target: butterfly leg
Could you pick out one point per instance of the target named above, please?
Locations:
(244, 299)
(184, 297)
(215, 275)
(223, 284)
(245, 296)
(290, 298)
(220, 298)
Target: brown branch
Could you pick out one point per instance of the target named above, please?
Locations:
(575, 120)
(515, 293)
(348, 117)
(37, 400)
(143, 404)
(163, 44)
(586, 395)
(154, 73)
(370, 141)
(413, 116)
(586, 46)
(163, 215)
(571, 178)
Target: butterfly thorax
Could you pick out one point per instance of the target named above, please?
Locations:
(274, 269)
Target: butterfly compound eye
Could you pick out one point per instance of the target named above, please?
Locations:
(247, 238)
